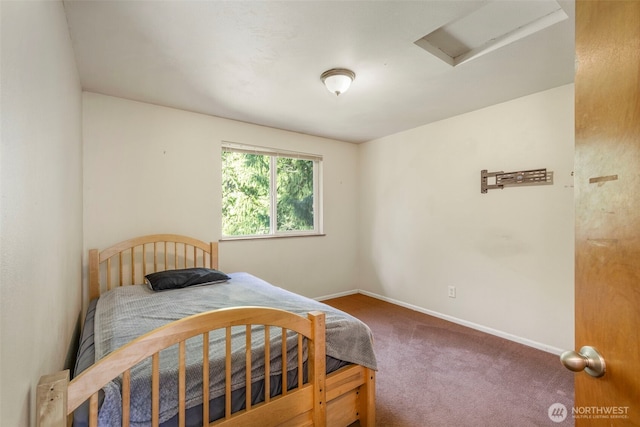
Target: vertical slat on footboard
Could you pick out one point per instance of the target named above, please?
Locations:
(285, 381)
(248, 368)
(155, 389)
(182, 385)
(300, 373)
(126, 397)
(93, 410)
(205, 379)
(267, 365)
(227, 379)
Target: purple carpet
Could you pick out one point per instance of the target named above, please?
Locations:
(436, 373)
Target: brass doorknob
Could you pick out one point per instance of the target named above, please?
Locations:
(588, 359)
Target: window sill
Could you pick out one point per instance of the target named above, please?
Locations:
(270, 236)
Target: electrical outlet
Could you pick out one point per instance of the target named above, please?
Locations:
(452, 291)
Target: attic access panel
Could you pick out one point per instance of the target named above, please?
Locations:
(490, 27)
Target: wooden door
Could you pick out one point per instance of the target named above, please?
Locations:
(607, 191)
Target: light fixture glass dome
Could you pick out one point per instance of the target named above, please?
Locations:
(338, 80)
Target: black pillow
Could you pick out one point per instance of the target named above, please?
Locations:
(176, 279)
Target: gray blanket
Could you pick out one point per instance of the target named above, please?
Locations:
(128, 312)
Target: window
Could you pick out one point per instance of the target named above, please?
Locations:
(269, 192)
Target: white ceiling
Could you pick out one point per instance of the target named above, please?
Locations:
(260, 61)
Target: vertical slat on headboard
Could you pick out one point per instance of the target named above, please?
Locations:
(133, 265)
(213, 255)
(120, 270)
(155, 256)
(175, 255)
(165, 256)
(109, 274)
(144, 260)
(195, 257)
(94, 273)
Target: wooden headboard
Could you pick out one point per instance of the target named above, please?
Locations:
(126, 263)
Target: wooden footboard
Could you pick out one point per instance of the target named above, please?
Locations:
(306, 404)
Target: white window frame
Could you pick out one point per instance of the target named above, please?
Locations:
(273, 221)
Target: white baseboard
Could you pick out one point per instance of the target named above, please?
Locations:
(338, 295)
(491, 331)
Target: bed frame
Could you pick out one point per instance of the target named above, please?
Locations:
(337, 399)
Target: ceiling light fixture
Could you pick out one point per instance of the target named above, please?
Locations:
(338, 80)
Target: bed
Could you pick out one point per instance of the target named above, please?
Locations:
(180, 357)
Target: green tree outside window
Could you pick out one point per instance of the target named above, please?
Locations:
(266, 194)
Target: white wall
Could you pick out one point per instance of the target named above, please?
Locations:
(41, 197)
(509, 253)
(151, 169)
